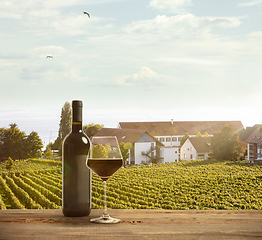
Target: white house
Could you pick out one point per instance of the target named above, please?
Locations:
(195, 148)
(170, 154)
(143, 147)
(171, 132)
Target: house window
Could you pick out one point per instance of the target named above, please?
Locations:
(174, 139)
(200, 156)
(168, 139)
(191, 156)
(251, 147)
(162, 139)
(179, 139)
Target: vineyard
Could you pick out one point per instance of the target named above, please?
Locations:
(37, 184)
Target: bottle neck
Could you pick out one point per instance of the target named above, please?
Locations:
(76, 116)
(76, 126)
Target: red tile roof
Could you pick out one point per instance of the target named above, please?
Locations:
(180, 128)
(255, 136)
(124, 135)
(201, 144)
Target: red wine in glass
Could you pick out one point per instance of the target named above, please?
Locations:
(104, 160)
(105, 168)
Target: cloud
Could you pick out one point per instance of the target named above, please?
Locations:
(225, 22)
(6, 64)
(183, 26)
(74, 75)
(250, 3)
(177, 26)
(48, 18)
(193, 61)
(172, 6)
(46, 70)
(147, 78)
(49, 50)
(255, 35)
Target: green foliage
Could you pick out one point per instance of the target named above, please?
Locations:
(199, 134)
(65, 121)
(18, 145)
(64, 127)
(21, 194)
(13, 200)
(9, 164)
(48, 153)
(91, 129)
(225, 145)
(199, 185)
(184, 138)
(34, 145)
(99, 151)
(205, 134)
(124, 148)
(2, 204)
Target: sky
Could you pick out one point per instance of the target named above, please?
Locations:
(132, 60)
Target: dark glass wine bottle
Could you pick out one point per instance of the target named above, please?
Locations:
(76, 199)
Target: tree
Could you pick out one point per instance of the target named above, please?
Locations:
(99, 151)
(199, 134)
(184, 138)
(65, 121)
(48, 153)
(124, 148)
(91, 129)
(17, 145)
(9, 164)
(34, 145)
(64, 126)
(57, 145)
(13, 143)
(205, 134)
(225, 144)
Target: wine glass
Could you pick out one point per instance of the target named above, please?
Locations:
(105, 159)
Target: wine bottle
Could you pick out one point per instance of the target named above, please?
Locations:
(76, 194)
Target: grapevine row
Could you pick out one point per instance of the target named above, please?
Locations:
(56, 190)
(48, 194)
(161, 186)
(13, 200)
(35, 194)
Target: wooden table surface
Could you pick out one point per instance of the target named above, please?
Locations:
(136, 224)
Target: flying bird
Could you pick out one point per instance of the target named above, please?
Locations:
(49, 56)
(87, 14)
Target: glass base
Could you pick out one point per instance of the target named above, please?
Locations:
(105, 219)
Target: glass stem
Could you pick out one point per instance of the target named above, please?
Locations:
(105, 206)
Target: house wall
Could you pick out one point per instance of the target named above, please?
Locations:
(254, 152)
(203, 156)
(142, 147)
(171, 141)
(170, 154)
(259, 153)
(188, 152)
